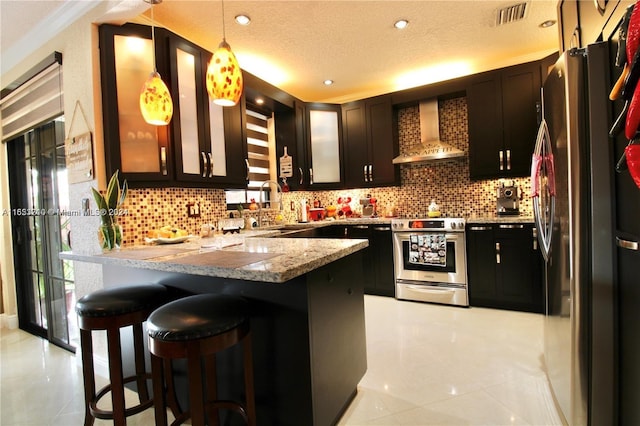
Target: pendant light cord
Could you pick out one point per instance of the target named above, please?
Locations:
(224, 38)
(153, 41)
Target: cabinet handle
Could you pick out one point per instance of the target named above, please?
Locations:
(626, 244)
(203, 165)
(534, 232)
(364, 172)
(370, 172)
(163, 160)
(497, 252)
(480, 228)
(346, 231)
(382, 228)
(361, 227)
(501, 158)
(210, 157)
(508, 159)
(301, 175)
(246, 161)
(511, 226)
(310, 176)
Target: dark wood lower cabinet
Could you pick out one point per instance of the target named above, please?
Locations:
(504, 267)
(378, 257)
(381, 245)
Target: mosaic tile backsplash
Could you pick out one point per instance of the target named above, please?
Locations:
(446, 181)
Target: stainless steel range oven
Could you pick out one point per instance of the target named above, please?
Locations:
(430, 263)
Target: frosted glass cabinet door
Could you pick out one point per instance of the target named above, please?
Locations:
(190, 143)
(139, 147)
(199, 131)
(325, 146)
(218, 148)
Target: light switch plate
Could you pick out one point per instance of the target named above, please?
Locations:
(193, 210)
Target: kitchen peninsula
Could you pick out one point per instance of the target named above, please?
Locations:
(307, 313)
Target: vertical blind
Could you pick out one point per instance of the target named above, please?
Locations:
(38, 99)
(258, 147)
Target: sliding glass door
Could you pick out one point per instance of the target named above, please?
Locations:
(39, 199)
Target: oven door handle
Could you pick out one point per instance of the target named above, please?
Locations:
(431, 290)
(404, 236)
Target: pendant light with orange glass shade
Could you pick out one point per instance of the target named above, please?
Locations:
(224, 76)
(155, 100)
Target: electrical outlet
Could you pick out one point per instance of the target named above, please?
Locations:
(193, 210)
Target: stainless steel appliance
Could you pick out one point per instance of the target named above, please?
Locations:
(429, 257)
(508, 200)
(590, 349)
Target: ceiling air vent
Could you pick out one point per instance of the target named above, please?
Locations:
(510, 14)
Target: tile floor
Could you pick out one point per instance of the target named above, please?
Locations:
(427, 365)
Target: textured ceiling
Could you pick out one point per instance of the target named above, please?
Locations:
(295, 45)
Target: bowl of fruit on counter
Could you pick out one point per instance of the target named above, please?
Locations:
(167, 235)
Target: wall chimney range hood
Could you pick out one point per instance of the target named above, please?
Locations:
(430, 148)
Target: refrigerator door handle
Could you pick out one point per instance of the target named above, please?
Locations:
(627, 244)
(544, 200)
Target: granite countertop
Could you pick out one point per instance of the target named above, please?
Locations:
(501, 219)
(330, 222)
(251, 255)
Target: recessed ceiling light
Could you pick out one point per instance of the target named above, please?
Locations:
(401, 23)
(547, 24)
(328, 82)
(259, 101)
(243, 19)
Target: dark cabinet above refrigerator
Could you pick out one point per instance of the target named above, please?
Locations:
(503, 108)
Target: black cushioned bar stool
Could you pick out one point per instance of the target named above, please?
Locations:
(111, 310)
(196, 328)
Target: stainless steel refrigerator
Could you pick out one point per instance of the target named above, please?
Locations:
(576, 207)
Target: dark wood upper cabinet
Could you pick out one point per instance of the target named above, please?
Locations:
(323, 148)
(291, 133)
(332, 146)
(503, 109)
(370, 143)
(139, 150)
(208, 139)
(202, 146)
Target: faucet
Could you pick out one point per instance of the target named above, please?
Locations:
(266, 182)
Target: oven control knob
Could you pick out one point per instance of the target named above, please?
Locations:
(461, 225)
(453, 225)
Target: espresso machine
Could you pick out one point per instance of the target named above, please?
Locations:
(508, 201)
